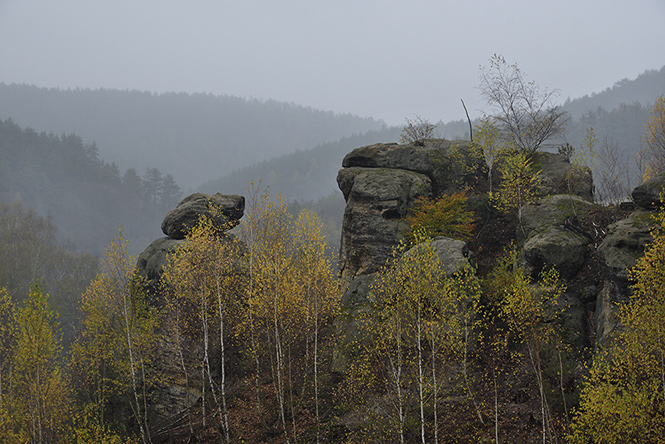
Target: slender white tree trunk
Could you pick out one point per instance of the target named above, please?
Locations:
(421, 378)
(225, 417)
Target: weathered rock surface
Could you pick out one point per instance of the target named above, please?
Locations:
(377, 201)
(552, 238)
(453, 254)
(380, 184)
(558, 176)
(623, 245)
(625, 242)
(223, 210)
(447, 163)
(647, 195)
(558, 248)
(153, 258)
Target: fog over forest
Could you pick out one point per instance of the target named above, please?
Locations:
(448, 227)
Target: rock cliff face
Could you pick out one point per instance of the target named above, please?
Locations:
(381, 182)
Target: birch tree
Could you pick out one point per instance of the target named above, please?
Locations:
(39, 398)
(113, 355)
(413, 331)
(291, 296)
(202, 281)
(623, 399)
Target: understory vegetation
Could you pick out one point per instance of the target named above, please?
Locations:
(243, 340)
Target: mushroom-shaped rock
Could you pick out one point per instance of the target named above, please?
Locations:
(223, 210)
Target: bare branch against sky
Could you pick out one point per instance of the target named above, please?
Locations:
(387, 59)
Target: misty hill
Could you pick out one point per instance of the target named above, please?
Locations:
(644, 90)
(88, 199)
(194, 136)
(617, 116)
(311, 174)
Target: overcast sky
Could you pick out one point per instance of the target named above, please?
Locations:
(386, 59)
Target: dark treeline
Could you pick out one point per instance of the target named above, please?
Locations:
(194, 136)
(86, 197)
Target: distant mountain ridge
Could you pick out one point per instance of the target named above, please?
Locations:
(195, 137)
(617, 115)
(644, 89)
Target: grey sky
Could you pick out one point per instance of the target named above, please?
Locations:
(386, 59)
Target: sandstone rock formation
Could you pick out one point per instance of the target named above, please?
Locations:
(380, 184)
(552, 238)
(623, 245)
(647, 195)
(224, 211)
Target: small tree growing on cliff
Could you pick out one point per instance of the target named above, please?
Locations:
(525, 114)
(417, 131)
(518, 185)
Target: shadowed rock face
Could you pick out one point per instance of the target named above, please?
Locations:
(377, 199)
(647, 195)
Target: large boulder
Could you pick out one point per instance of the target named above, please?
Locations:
(377, 200)
(624, 243)
(552, 237)
(449, 164)
(559, 176)
(223, 210)
(556, 247)
(647, 195)
(551, 211)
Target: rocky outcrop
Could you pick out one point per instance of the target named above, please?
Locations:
(224, 211)
(559, 176)
(380, 184)
(623, 245)
(647, 195)
(150, 262)
(377, 201)
(552, 237)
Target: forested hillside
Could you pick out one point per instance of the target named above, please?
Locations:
(617, 117)
(644, 90)
(87, 198)
(195, 137)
